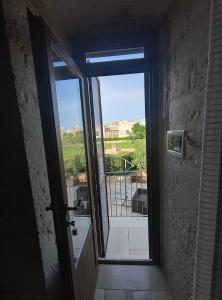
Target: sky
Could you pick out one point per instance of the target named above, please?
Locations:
(69, 103)
(122, 97)
(115, 57)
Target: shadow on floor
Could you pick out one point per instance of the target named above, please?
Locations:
(124, 282)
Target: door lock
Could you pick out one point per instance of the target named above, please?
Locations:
(74, 229)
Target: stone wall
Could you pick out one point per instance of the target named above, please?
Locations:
(30, 259)
(183, 65)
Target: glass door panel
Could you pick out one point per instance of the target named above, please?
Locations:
(72, 149)
(98, 128)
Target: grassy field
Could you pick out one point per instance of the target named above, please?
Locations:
(69, 150)
(121, 144)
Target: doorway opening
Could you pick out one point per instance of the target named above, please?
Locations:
(125, 160)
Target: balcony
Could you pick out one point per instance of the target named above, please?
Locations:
(128, 211)
(127, 193)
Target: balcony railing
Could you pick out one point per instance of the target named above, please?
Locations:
(127, 193)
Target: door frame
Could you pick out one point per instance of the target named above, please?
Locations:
(43, 41)
(103, 244)
(148, 66)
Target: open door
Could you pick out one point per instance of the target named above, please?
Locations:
(71, 144)
(97, 125)
(64, 125)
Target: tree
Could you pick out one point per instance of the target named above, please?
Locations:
(77, 163)
(117, 163)
(138, 131)
(78, 138)
(139, 156)
(113, 163)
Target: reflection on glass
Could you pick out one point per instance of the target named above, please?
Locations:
(100, 156)
(74, 154)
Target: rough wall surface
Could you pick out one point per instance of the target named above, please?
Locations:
(15, 14)
(208, 271)
(183, 67)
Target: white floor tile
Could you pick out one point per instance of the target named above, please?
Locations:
(128, 238)
(126, 277)
(118, 243)
(128, 222)
(138, 238)
(150, 295)
(139, 252)
(99, 294)
(118, 295)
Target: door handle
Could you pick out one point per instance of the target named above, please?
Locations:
(72, 223)
(69, 208)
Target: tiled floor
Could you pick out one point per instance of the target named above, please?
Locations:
(124, 282)
(128, 238)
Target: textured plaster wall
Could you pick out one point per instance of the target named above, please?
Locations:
(36, 242)
(183, 66)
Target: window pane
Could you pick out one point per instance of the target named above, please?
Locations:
(115, 55)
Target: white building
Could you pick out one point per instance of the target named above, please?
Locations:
(120, 128)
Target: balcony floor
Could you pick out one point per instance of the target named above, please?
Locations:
(128, 238)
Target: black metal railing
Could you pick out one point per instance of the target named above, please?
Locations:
(127, 193)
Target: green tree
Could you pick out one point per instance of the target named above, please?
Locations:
(113, 163)
(78, 138)
(116, 163)
(138, 131)
(139, 156)
(77, 163)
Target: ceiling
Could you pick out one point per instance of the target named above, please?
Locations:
(76, 17)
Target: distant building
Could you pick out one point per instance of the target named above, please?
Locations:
(115, 129)
(120, 128)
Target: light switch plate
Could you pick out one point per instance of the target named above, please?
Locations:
(175, 142)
